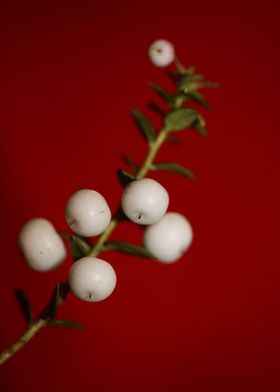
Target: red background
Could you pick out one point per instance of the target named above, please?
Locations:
(70, 71)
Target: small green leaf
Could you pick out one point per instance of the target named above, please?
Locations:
(24, 305)
(173, 167)
(76, 251)
(199, 126)
(82, 243)
(144, 125)
(57, 295)
(180, 119)
(199, 98)
(124, 177)
(129, 161)
(170, 99)
(128, 248)
(73, 324)
(54, 302)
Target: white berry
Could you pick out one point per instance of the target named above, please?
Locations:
(161, 53)
(87, 213)
(40, 244)
(145, 201)
(92, 279)
(168, 239)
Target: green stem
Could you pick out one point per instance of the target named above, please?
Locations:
(154, 147)
(23, 340)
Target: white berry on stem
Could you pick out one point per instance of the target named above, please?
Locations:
(87, 213)
(42, 247)
(92, 279)
(144, 201)
(162, 53)
(169, 238)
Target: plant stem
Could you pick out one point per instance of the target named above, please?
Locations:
(37, 325)
(23, 340)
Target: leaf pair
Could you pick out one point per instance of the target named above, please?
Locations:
(50, 312)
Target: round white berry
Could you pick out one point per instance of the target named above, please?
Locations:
(87, 213)
(161, 53)
(40, 244)
(145, 201)
(92, 279)
(169, 238)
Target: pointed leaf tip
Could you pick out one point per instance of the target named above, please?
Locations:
(144, 125)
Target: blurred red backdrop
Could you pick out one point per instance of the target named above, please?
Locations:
(70, 72)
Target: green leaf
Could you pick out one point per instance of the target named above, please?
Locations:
(73, 324)
(199, 98)
(76, 251)
(128, 248)
(124, 177)
(173, 167)
(144, 125)
(129, 161)
(82, 243)
(24, 305)
(57, 295)
(170, 99)
(180, 119)
(199, 126)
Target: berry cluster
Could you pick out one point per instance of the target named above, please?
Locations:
(87, 213)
